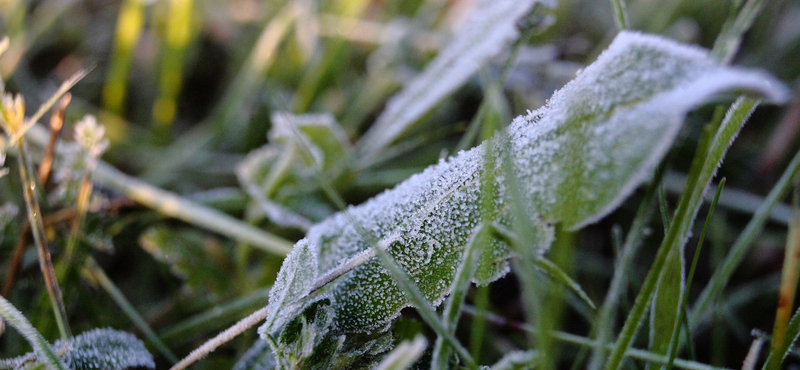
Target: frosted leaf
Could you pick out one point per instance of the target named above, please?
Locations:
(95, 349)
(258, 357)
(294, 280)
(517, 360)
(282, 181)
(575, 159)
(484, 33)
(105, 349)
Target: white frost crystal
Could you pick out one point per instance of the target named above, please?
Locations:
(575, 159)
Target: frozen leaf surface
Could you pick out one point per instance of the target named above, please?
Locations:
(575, 159)
(95, 349)
(484, 33)
(105, 349)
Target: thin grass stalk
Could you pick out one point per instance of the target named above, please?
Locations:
(620, 14)
(730, 38)
(177, 35)
(40, 346)
(95, 273)
(478, 327)
(723, 272)
(452, 310)
(224, 337)
(584, 342)
(792, 333)
(788, 287)
(37, 229)
(130, 23)
(674, 344)
(474, 247)
(704, 167)
(82, 207)
(185, 330)
(624, 266)
(174, 205)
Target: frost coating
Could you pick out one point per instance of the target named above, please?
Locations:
(576, 159)
(105, 349)
(484, 33)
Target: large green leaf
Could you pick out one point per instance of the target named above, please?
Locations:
(575, 159)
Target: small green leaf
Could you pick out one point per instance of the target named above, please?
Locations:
(258, 357)
(194, 256)
(281, 180)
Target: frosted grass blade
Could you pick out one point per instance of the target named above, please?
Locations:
(484, 33)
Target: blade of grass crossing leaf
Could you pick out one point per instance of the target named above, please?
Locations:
(703, 168)
(14, 317)
(547, 266)
(400, 277)
(473, 250)
(95, 273)
(452, 310)
(673, 347)
(788, 287)
(620, 14)
(130, 23)
(606, 319)
(532, 292)
(478, 327)
(667, 303)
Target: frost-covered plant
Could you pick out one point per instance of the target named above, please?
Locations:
(574, 161)
(79, 159)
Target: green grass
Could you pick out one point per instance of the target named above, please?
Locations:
(182, 249)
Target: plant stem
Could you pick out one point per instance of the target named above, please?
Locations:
(37, 229)
(174, 205)
(788, 287)
(222, 338)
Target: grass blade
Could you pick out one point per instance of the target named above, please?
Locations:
(39, 344)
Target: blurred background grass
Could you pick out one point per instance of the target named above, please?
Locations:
(186, 89)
